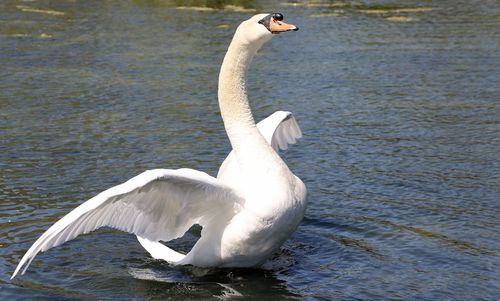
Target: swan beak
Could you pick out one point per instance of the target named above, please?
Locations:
(276, 26)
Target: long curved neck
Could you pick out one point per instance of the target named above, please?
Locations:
(259, 165)
(233, 101)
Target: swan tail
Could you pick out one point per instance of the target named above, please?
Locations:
(160, 251)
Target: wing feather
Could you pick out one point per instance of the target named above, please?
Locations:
(280, 129)
(160, 204)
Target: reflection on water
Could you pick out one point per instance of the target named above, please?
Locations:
(398, 102)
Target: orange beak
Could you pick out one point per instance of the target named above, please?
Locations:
(276, 26)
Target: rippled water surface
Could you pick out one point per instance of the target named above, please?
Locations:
(398, 102)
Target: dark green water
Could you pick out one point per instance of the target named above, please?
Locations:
(398, 102)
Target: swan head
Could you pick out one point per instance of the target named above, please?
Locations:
(261, 27)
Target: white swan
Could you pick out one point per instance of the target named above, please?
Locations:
(247, 212)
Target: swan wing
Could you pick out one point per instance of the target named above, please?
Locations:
(280, 129)
(160, 204)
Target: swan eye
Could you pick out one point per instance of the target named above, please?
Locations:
(278, 17)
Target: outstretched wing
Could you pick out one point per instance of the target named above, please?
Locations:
(160, 204)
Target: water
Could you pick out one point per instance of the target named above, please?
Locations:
(398, 102)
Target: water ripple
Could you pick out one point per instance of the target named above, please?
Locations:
(399, 109)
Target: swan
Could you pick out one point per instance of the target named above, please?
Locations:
(246, 213)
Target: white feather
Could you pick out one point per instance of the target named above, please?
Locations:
(160, 204)
(280, 129)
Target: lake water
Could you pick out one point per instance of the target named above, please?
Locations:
(398, 102)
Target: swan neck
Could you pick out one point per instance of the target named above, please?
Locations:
(233, 99)
(252, 151)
